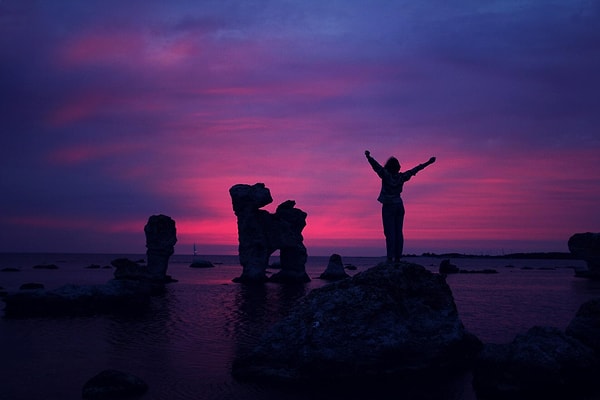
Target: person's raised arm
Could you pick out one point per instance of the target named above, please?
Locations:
(374, 164)
(421, 166)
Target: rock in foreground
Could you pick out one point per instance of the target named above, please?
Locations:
(544, 363)
(112, 384)
(388, 320)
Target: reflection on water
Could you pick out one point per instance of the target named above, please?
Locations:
(184, 344)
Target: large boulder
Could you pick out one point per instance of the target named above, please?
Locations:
(542, 363)
(586, 246)
(586, 324)
(386, 321)
(261, 233)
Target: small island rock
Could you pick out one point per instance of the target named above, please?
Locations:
(335, 269)
(197, 263)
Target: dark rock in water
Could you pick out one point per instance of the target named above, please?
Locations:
(160, 243)
(31, 286)
(93, 266)
(45, 266)
(478, 271)
(351, 267)
(543, 363)
(586, 246)
(201, 264)
(448, 268)
(114, 297)
(10, 269)
(383, 322)
(586, 325)
(335, 269)
(161, 236)
(261, 233)
(124, 263)
(111, 384)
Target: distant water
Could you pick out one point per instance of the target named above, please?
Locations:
(183, 347)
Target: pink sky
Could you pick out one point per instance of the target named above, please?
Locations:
(112, 113)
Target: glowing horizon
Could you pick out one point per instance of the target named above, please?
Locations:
(112, 113)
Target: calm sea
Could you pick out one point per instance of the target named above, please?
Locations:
(183, 347)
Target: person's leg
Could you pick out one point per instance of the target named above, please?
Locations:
(398, 226)
(389, 229)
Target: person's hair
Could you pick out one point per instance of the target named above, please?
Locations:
(392, 165)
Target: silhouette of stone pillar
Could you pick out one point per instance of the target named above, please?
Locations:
(161, 236)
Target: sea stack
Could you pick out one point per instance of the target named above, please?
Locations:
(261, 233)
(161, 236)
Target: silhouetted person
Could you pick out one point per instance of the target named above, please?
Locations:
(392, 210)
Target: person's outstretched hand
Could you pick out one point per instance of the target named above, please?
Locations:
(431, 160)
(367, 153)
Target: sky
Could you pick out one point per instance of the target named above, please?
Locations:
(113, 111)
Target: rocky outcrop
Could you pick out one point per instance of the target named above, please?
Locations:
(446, 267)
(586, 325)
(113, 384)
(542, 363)
(114, 297)
(586, 246)
(261, 233)
(335, 269)
(161, 236)
(387, 321)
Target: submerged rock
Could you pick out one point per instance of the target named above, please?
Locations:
(45, 266)
(542, 363)
(386, 321)
(335, 269)
(112, 384)
(197, 263)
(31, 286)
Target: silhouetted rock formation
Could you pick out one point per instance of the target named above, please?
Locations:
(389, 320)
(131, 289)
(335, 269)
(448, 268)
(112, 384)
(586, 325)
(586, 246)
(161, 236)
(260, 233)
(544, 363)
